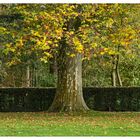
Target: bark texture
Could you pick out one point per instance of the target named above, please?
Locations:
(115, 70)
(28, 76)
(69, 95)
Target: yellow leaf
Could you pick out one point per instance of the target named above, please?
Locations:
(102, 53)
(95, 55)
(72, 55)
(50, 42)
(106, 49)
(111, 52)
(43, 60)
(48, 54)
(71, 32)
(2, 29)
(64, 28)
(109, 22)
(77, 43)
(45, 47)
(79, 48)
(94, 45)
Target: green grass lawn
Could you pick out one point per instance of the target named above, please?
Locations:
(59, 124)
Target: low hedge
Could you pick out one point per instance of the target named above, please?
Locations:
(100, 99)
(113, 98)
(26, 99)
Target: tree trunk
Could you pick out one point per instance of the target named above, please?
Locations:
(119, 78)
(28, 76)
(69, 95)
(113, 72)
(36, 77)
(117, 68)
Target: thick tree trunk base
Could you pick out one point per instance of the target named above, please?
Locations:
(62, 103)
(69, 94)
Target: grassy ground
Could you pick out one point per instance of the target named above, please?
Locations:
(54, 124)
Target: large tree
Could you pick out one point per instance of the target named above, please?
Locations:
(71, 32)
